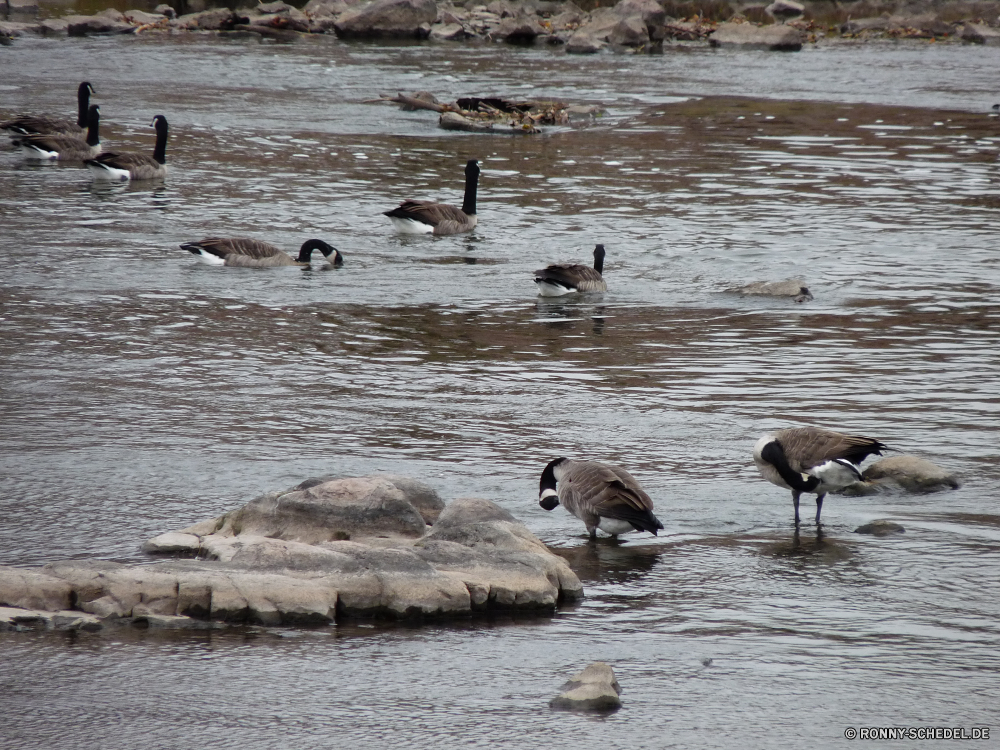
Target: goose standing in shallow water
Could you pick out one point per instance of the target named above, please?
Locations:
(247, 253)
(46, 125)
(426, 217)
(603, 496)
(557, 280)
(125, 166)
(810, 459)
(59, 147)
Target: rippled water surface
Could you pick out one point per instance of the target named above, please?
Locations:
(141, 392)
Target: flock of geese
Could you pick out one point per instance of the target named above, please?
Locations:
(53, 139)
(41, 137)
(603, 496)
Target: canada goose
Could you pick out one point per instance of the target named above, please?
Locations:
(426, 217)
(45, 125)
(810, 459)
(59, 147)
(247, 253)
(603, 496)
(126, 166)
(556, 280)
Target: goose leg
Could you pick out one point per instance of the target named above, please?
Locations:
(819, 506)
(795, 500)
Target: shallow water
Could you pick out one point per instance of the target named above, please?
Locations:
(142, 391)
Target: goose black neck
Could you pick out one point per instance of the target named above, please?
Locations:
(93, 125)
(471, 187)
(548, 480)
(305, 252)
(774, 454)
(83, 102)
(160, 152)
(599, 259)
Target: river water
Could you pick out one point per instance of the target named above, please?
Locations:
(141, 391)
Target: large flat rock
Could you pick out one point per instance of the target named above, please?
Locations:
(324, 550)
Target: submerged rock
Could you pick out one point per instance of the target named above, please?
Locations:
(794, 288)
(880, 528)
(323, 550)
(593, 689)
(911, 473)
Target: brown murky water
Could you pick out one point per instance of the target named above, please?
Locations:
(141, 391)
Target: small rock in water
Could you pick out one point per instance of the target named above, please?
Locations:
(794, 288)
(593, 689)
(880, 528)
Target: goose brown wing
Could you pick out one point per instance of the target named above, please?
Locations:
(42, 124)
(806, 447)
(428, 212)
(240, 246)
(568, 274)
(607, 491)
(131, 162)
(55, 142)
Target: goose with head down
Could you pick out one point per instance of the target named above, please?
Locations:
(243, 252)
(811, 459)
(603, 496)
(427, 217)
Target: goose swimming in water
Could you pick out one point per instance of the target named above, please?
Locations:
(603, 496)
(427, 217)
(557, 280)
(46, 125)
(121, 167)
(61, 147)
(810, 459)
(248, 253)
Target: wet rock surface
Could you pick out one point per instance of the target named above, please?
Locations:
(324, 550)
(594, 689)
(880, 528)
(783, 25)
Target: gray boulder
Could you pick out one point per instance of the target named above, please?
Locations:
(859, 25)
(337, 509)
(880, 528)
(450, 32)
(521, 29)
(141, 17)
(582, 43)
(284, 559)
(16, 620)
(977, 33)
(389, 18)
(649, 11)
(218, 19)
(165, 10)
(54, 27)
(594, 689)
(102, 23)
(912, 474)
(776, 38)
(629, 32)
(794, 288)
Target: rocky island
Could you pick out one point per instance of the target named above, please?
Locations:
(328, 549)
